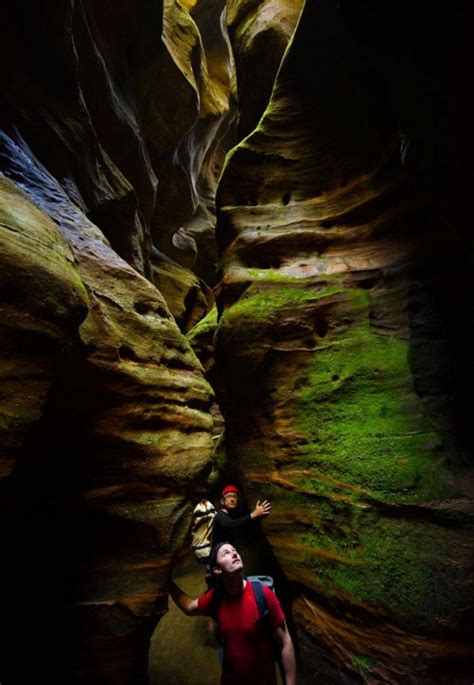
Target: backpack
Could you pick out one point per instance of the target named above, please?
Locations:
(201, 530)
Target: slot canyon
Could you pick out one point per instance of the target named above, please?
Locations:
(236, 245)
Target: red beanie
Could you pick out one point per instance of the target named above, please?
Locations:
(229, 488)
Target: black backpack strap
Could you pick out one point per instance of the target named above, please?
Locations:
(264, 614)
(260, 600)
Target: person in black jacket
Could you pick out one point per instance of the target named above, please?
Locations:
(230, 518)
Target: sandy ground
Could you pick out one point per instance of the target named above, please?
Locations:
(182, 652)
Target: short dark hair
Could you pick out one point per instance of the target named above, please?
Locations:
(214, 553)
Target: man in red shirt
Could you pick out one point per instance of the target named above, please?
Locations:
(248, 649)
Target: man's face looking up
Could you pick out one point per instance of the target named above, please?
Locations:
(228, 560)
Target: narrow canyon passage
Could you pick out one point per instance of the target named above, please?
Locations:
(236, 246)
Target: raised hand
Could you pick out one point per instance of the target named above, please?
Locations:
(261, 509)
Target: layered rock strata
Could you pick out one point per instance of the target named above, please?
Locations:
(125, 435)
(132, 110)
(116, 125)
(339, 362)
(341, 397)
(106, 430)
(43, 303)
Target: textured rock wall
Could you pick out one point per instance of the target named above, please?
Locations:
(115, 123)
(133, 113)
(344, 243)
(198, 116)
(38, 269)
(105, 423)
(343, 391)
(259, 31)
(123, 436)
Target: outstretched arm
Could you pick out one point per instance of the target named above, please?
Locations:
(187, 604)
(225, 522)
(287, 653)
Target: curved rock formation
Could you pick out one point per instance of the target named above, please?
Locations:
(197, 114)
(259, 31)
(129, 406)
(341, 400)
(340, 365)
(109, 433)
(139, 93)
(43, 303)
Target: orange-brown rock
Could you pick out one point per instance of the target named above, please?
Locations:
(125, 436)
(335, 348)
(342, 364)
(201, 338)
(197, 116)
(106, 430)
(108, 133)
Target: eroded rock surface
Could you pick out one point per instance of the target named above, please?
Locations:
(260, 31)
(334, 345)
(198, 113)
(106, 422)
(340, 365)
(126, 436)
(43, 303)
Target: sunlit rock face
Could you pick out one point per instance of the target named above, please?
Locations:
(132, 110)
(343, 397)
(260, 31)
(192, 128)
(341, 366)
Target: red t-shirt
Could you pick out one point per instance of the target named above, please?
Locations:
(248, 651)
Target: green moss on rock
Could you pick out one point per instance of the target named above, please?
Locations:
(363, 421)
(368, 438)
(363, 663)
(405, 567)
(205, 326)
(266, 303)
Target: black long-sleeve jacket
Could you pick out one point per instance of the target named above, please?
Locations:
(225, 524)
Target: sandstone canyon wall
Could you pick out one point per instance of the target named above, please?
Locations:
(341, 264)
(343, 382)
(106, 430)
